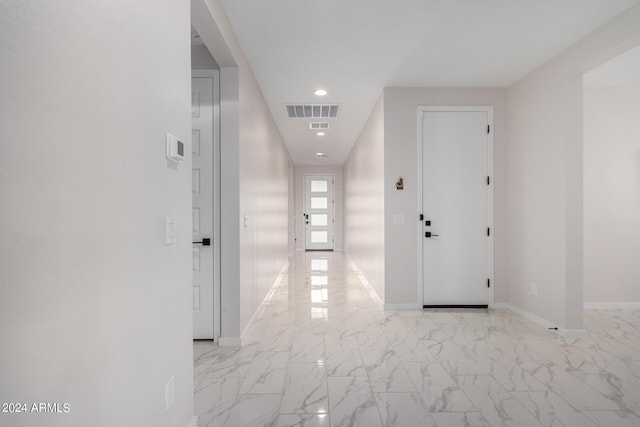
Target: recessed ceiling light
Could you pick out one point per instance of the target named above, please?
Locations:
(321, 155)
(320, 92)
(320, 134)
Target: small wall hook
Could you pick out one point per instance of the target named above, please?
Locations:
(400, 184)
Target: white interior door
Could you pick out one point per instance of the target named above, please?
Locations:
(202, 192)
(455, 231)
(319, 212)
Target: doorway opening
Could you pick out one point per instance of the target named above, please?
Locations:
(205, 191)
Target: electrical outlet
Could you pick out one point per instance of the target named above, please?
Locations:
(170, 392)
(534, 289)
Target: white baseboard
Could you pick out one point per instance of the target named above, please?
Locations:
(229, 341)
(500, 306)
(529, 316)
(364, 281)
(625, 306)
(266, 298)
(567, 333)
(193, 422)
(402, 307)
(573, 333)
(371, 291)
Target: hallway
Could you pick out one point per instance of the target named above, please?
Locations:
(321, 351)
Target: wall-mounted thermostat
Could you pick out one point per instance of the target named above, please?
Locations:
(175, 149)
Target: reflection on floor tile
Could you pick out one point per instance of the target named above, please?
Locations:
(322, 352)
(303, 420)
(305, 389)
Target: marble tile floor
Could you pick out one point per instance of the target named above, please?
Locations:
(322, 352)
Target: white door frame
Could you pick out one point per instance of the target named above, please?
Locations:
(419, 229)
(333, 206)
(217, 308)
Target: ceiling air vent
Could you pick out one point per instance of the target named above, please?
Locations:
(319, 125)
(312, 110)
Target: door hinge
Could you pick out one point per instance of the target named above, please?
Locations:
(488, 181)
(488, 231)
(488, 283)
(488, 129)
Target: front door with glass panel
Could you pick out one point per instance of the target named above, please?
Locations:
(318, 214)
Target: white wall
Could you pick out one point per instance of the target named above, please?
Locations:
(300, 172)
(254, 178)
(400, 154)
(611, 195)
(544, 177)
(263, 197)
(95, 309)
(201, 59)
(364, 195)
(292, 210)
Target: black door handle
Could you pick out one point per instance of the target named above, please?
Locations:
(204, 242)
(429, 234)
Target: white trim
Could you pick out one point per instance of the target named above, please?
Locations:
(491, 272)
(625, 306)
(229, 342)
(291, 208)
(217, 306)
(265, 300)
(573, 333)
(403, 307)
(369, 288)
(363, 280)
(523, 313)
(193, 422)
(567, 333)
(499, 306)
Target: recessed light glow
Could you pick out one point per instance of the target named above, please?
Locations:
(320, 92)
(319, 154)
(320, 133)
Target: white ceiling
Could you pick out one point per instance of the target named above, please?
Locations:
(623, 70)
(355, 48)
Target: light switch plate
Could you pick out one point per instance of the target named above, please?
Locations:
(175, 149)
